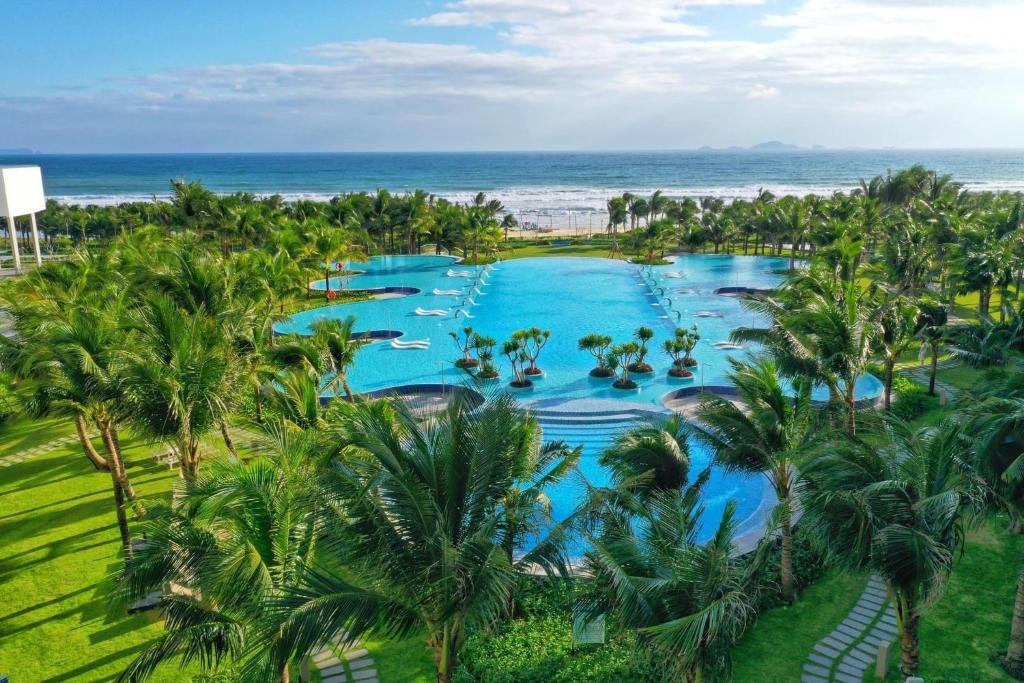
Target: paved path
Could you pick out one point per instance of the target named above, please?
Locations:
(343, 660)
(29, 453)
(846, 654)
(922, 374)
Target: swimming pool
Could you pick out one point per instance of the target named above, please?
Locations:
(571, 297)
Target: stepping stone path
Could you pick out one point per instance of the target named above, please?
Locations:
(344, 660)
(35, 451)
(922, 374)
(845, 654)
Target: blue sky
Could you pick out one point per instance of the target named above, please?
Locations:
(509, 74)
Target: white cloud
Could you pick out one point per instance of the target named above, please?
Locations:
(605, 64)
(761, 91)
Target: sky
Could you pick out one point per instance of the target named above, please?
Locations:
(410, 75)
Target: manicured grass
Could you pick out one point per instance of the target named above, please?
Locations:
(968, 628)
(407, 660)
(60, 546)
(776, 646)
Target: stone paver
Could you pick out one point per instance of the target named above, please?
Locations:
(35, 451)
(345, 661)
(846, 654)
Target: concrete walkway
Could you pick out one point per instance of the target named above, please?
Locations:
(847, 653)
(344, 660)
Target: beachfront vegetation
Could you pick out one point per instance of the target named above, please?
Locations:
(151, 344)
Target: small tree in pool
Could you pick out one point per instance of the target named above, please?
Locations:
(597, 345)
(676, 349)
(465, 344)
(625, 355)
(688, 339)
(643, 335)
(532, 341)
(484, 348)
(517, 356)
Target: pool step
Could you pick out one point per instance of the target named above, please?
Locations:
(580, 419)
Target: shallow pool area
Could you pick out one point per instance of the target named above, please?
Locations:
(572, 297)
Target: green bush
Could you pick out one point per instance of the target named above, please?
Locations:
(912, 399)
(8, 400)
(537, 647)
(809, 564)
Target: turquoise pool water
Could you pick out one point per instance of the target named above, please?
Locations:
(569, 296)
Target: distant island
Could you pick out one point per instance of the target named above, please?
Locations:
(17, 150)
(770, 146)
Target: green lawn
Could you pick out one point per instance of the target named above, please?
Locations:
(776, 646)
(59, 541)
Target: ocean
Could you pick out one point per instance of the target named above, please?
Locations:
(543, 187)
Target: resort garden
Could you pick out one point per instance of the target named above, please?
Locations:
(203, 480)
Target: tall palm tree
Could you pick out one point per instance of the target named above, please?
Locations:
(931, 330)
(896, 503)
(341, 346)
(998, 422)
(179, 378)
(417, 521)
(767, 433)
(240, 538)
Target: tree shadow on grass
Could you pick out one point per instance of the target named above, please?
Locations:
(94, 664)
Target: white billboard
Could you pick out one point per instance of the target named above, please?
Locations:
(21, 190)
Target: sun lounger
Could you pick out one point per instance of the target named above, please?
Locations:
(414, 344)
(431, 311)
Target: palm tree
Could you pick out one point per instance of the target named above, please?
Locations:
(618, 214)
(241, 537)
(652, 457)
(689, 601)
(999, 423)
(899, 323)
(896, 503)
(765, 434)
(341, 347)
(417, 521)
(827, 329)
(179, 379)
(931, 330)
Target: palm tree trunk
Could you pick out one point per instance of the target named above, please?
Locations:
(227, 439)
(889, 364)
(122, 518)
(347, 387)
(851, 408)
(910, 652)
(786, 562)
(935, 370)
(126, 484)
(97, 460)
(1014, 662)
(286, 675)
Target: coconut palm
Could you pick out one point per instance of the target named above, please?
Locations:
(932, 331)
(899, 323)
(827, 330)
(896, 503)
(417, 521)
(689, 601)
(241, 537)
(767, 433)
(341, 347)
(652, 457)
(998, 422)
(179, 378)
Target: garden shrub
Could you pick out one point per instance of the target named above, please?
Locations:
(809, 563)
(912, 399)
(537, 646)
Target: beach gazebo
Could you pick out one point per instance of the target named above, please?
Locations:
(21, 194)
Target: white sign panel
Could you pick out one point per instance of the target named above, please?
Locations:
(21, 190)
